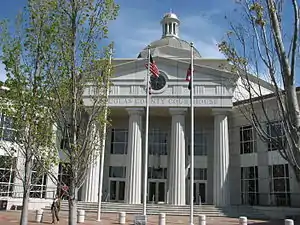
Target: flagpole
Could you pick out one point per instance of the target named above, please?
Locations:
(192, 139)
(103, 147)
(146, 137)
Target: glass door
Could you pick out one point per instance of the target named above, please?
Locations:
(161, 191)
(156, 191)
(117, 190)
(200, 192)
(152, 192)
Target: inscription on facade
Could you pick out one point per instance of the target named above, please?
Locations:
(161, 102)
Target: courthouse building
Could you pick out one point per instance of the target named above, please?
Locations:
(232, 165)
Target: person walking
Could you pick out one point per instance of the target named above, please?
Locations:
(55, 207)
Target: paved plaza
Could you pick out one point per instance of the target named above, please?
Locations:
(12, 218)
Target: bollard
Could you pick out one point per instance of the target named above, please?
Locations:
(202, 220)
(162, 219)
(122, 217)
(243, 220)
(39, 216)
(80, 216)
(288, 222)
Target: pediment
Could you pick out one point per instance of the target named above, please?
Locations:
(173, 69)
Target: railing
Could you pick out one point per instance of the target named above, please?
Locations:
(35, 195)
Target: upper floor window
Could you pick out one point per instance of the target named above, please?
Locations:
(7, 132)
(200, 143)
(277, 138)
(247, 140)
(119, 139)
(158, 142)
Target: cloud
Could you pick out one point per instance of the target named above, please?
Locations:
(135, 28)
(2, 72)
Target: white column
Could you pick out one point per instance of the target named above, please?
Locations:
(90, 188)
(177, 158)
(221, 160)
(134, 157)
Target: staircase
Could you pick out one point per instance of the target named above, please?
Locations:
(154, 209)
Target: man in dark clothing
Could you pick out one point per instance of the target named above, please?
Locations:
(55, 207)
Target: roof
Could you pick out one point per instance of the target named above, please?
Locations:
(176, 47)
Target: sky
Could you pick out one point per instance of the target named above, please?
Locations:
(138, 24)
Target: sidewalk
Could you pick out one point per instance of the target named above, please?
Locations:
(12, 218)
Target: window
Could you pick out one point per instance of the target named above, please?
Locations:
(119, 141)
(38, 182)
(157, 142)
(199, 174)
(63, 178)
(247, 140)
(7, 175)
(249, 185)
(157, 173)
(276, 132)
(279, 185)
(200, 144)
(117, 171)
(7, 133)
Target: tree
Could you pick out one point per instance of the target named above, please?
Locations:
(78, 72)
(23, 103)
(264, 44)
(59, 60)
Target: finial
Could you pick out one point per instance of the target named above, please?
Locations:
(171, 10)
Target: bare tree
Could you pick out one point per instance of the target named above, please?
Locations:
(264, 45)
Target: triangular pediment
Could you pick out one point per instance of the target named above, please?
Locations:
(173, 69)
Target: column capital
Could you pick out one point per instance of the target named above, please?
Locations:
(135, 111)
(221, 111)
(177, 111)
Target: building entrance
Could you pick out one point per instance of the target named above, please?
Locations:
(156, 191)
(200, 192)
(117, 190)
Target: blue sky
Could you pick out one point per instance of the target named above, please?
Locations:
(138, 23)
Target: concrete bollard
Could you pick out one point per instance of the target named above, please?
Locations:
(243, 220)
(162, 219)
(288, 222)
(80, 216)
(202, 220)
(122, 217)
(39, 216)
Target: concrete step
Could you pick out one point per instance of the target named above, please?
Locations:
(154, 209)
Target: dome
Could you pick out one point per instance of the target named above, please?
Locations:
(170, 15)
(170, 45)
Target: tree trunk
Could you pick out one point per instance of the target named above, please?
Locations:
(26, 191)
(73, 204)
(25, 204)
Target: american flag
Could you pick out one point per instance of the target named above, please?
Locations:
(153, 67)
